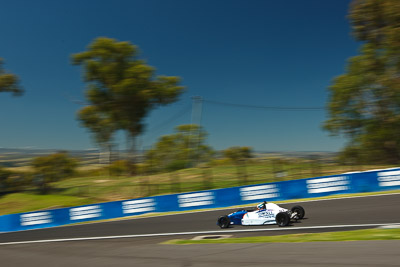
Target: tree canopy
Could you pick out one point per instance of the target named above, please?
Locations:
(121, 88)
(364, 103)
(9, 82)
(52, 168)
(238, 154)
(181, 149)
(99, 124)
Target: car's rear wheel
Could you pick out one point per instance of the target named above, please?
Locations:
(282, 219)
(224, 221)
(300, 211)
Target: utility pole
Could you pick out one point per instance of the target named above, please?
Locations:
(197, 109)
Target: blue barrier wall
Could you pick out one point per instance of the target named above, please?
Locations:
(357, 182)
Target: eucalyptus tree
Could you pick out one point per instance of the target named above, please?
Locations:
(238, 154)
(185, 147)
(9, 82)
(364, 102)
(122, 87)
(52, 168)
(101, 127)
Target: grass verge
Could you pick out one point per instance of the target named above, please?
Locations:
(26, 202)
(357, 235)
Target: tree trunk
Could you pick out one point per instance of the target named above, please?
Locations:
(108, 155)
(131, 144)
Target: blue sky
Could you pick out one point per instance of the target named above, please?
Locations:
(258, 52)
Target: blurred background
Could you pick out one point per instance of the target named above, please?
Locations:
(109, 100)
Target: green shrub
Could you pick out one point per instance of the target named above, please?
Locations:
(177, 165)
(119, 167)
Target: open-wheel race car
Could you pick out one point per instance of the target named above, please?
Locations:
(266, 213)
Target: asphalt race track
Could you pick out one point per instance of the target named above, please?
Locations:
(135, 242)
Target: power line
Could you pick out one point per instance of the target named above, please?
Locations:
(278, 108)
(174, 117)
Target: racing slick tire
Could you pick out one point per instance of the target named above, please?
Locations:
(300, 211)
(282, 219)
(224, 221)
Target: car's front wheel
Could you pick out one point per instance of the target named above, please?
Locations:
(224, 221)
(282, 219)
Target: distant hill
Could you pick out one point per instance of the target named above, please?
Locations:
(18, 158)
(297, 154)
(15, 157)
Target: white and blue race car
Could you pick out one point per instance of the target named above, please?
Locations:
(266, 213)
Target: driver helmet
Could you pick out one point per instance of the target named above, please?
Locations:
(261, 206)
